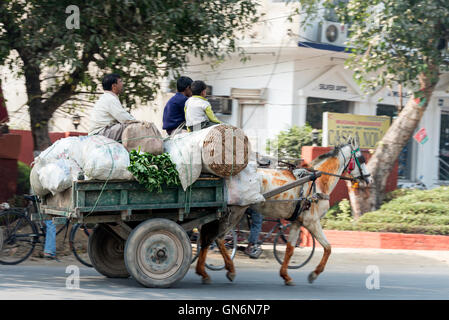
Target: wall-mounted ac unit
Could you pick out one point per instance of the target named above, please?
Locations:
(209, 90)
(333, 33)
(221, 104)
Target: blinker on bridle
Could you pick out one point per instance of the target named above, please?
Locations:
(356, 158)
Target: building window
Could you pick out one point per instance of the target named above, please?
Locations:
(316, 107)
(405, 157)
(443, 173)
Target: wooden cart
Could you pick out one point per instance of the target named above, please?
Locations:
(139, 233)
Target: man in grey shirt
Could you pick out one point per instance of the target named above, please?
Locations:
(108, 117)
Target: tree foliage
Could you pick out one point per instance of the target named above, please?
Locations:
(392, 41)
(143, 40)
(288, 143)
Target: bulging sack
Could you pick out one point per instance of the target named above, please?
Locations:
(245, 188)
(225, 150)
(57, 175)
(66, 148)
(145, 135)
(105, 159)
(35, 183)
(185, 153)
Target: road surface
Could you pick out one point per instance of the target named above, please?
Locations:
(350, 274)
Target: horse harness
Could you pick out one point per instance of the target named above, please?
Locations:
(304, 203)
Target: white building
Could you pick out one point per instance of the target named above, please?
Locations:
(294, 75)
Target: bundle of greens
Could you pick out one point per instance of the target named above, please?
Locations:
(153, 171)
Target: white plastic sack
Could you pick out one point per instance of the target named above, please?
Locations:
(185, 153)
(35, 182)
(65, 148)
(104, 159)
(245, 188)
(57, 175)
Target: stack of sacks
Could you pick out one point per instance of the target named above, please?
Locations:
(96, 156)
(222, 150)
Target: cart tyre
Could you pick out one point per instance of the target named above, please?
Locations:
(106, 252)
(158, 253)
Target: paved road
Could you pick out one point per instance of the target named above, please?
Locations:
(402, 275)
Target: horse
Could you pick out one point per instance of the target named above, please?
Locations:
(343, 158)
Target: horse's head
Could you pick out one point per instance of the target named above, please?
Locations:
(354, 161)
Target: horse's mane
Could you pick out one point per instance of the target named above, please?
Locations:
(330, 154)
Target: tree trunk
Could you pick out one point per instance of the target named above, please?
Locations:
(365, 199)
(39, 115)
(39, 127)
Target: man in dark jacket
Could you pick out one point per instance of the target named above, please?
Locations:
(174, 109)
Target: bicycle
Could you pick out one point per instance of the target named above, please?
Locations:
(19, 235)
(303, 250)
(214, 260)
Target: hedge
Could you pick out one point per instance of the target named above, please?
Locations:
(403, 210)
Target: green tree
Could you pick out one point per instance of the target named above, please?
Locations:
(143, 40)
(393, 42)
(288, 143)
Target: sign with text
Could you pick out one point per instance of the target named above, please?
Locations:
(367, 129)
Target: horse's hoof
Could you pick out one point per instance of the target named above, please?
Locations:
(289, 283)
(230, 276)
(206, 280)
(312, 277)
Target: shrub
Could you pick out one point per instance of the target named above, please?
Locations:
(404, 210)
(23, 178)
(288, 143)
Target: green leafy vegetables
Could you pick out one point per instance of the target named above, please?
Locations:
(153, 171)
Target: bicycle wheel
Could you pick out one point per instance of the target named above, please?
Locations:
(79, 239)
(19, 237)
(214, 260)
(303, 251)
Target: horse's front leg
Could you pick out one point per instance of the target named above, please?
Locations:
(229, 264)
(317, 231)
(292, 238)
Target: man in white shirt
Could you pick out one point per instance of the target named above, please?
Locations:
(108, 117)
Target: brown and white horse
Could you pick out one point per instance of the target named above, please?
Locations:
(344, 158)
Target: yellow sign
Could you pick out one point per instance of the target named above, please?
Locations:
(368, 129)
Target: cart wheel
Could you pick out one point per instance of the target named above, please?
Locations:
(106, 252)
(158, 253)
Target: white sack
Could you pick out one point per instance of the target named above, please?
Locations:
(245, 188)
(185, 153)
(57, 175)
(35, 182)
(105, 159)
(65, 148)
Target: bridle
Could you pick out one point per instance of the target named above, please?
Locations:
(356, 158)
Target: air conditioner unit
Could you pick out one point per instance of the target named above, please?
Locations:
(333, 33)
(221, 104)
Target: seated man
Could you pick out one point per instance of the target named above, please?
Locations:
(108, 116)
(174, 109)
(199, 114)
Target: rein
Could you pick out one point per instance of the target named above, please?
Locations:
(332, 174)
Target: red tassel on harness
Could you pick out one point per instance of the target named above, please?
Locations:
(351, 165)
